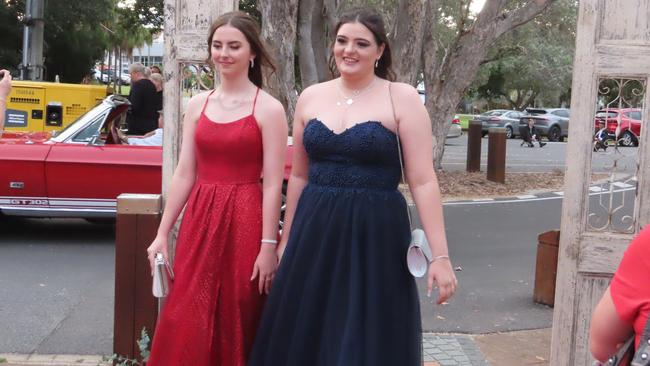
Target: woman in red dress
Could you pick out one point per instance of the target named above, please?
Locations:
(225, 258)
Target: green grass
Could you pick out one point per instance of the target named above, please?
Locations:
(464, 120)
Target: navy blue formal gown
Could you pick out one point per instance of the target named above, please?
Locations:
(343, 295)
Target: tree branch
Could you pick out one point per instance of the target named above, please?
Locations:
(522, 15)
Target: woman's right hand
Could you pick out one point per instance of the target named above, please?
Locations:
(159, 245)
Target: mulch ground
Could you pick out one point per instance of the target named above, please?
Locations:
(462, 185)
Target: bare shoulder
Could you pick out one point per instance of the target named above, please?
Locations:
(268, 109)
(195, 105)
(403, 90)
(314, 91)
(268, 105)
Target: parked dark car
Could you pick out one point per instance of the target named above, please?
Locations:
(508, 119)
(550, 122)
(629, 120)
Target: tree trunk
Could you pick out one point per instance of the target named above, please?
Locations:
(320, 42)
(279, 20)
(406, 39)
(306, 58)
(446, 83)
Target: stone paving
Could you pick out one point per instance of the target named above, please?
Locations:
(452, 350)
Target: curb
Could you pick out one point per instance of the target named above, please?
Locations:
(594, 189)
(14, 359)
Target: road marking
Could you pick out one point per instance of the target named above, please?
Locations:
(622, 185)
(517, 200)
(483, 199)
(526, 197)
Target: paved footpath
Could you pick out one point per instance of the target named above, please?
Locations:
(528, 347)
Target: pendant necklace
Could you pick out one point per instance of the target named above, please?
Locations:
(349, 100)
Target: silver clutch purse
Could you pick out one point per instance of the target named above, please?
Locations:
(162, 275)
(418, 255)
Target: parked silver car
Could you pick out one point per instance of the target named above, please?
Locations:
(508, 119)
(550, 122)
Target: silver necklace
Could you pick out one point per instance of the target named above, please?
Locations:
(349, 100)
(235, 104)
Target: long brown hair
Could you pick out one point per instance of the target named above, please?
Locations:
(375, 23)
(251, 30)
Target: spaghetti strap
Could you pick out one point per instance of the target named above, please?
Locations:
(392, 106)
(255, 101)
(206, 101)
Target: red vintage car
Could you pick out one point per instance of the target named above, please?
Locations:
(80, 171)
(629, 120)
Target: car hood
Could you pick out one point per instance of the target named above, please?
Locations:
(25, 137)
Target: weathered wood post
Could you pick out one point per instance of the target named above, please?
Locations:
(496, 158)
(474, 138)
(138, 216)
(611, 70)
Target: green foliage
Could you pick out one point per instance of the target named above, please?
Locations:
(10, 35)
(143, 345)
(532, 65)
(250, 7)
(72, 39)
(147, 13)
(3, 360)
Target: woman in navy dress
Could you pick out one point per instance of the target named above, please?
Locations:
(343, 295)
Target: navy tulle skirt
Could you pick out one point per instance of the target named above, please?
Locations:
(343, 295)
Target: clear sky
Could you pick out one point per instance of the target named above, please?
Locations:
(476, 6)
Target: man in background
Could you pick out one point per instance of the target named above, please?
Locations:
(153, 138)
(143, 115)
(5, 89)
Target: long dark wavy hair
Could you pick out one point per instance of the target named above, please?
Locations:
(375, 23)
(251, 30)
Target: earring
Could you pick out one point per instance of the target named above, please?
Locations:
(376, 63)
(252, 62)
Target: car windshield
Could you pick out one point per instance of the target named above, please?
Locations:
(534, 112)
(606, 114)
(635, 115)
(492, 113)
(62, 131)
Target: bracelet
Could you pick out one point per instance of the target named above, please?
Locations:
(269, 241)
(440, 257)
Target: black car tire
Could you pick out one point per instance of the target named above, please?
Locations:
(554, 134)
(628, 139)
(510, 134)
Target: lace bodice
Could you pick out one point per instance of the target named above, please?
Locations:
(363, 156)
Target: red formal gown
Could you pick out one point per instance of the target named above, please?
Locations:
(213, 309)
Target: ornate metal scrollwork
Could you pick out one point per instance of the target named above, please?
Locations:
(614, 209)
(195, 78)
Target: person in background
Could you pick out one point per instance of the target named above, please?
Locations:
(153, 138)
(143, 115)
(157, 80)
(625, 306)
(155, 69)
(529, 135)
(601, 136)
(147, 72)
(5, 89)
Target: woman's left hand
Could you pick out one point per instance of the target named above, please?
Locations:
(265, 266)
(441, 272)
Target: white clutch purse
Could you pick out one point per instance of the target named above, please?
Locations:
(162, 275)
(418, 255)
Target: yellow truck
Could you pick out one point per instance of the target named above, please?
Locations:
(43, 106)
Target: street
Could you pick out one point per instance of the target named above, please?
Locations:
(56, 276)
